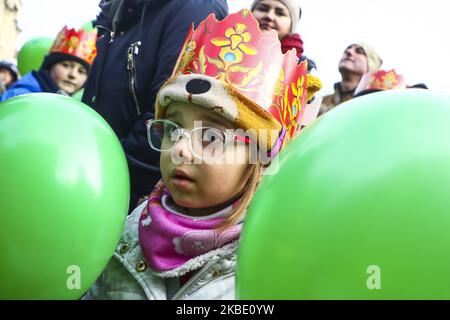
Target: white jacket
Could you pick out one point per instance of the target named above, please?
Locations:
(127, 276)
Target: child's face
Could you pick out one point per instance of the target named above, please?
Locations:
(69, 76)
(273, 15)
(5, 76)
(201, 184)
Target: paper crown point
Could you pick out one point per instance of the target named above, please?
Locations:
(80, 44)
(379, 81)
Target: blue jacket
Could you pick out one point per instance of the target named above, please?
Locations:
(137, 49)
(35, 81)
(27, 84)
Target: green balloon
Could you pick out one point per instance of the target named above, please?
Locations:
(64, 196)
(88, 26)
(32, 54)
(359, 208)
(78, 95)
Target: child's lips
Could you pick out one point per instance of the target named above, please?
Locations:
(68, 83)
(181, 183)
(181, 179)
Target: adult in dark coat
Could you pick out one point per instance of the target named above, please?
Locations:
(137, 49)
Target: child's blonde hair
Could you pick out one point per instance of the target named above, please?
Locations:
(247, 195)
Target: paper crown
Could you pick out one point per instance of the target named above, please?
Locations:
(80, 44)
(380, 80)
(234, 69)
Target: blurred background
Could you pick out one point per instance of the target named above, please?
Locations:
(410, 35)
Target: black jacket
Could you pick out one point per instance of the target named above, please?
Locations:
(138, 47)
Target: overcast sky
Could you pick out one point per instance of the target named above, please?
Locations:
(411, 36)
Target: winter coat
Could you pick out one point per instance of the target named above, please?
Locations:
(127, 276)
(339, 96)
(139, 43)
(35, 81)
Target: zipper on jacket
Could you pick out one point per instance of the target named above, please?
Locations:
(194, 278)
(111, 37)
(133, 51)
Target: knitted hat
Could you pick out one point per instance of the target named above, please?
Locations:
(374, 61)
(78, 46)
(239, 72)
(294, 9)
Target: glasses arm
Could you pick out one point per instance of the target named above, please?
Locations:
(243, 139)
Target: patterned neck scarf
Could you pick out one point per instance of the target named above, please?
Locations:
(169, 240)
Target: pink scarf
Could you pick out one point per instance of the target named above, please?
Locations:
(169, 240)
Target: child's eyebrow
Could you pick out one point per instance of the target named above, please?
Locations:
(214, 120)
(173, 114)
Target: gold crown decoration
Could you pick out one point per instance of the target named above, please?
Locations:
(80, 44)
(250, 81)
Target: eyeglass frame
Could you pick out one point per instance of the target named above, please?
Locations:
(229, 136)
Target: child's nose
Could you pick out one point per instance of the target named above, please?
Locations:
(71, 73)
(182, 148)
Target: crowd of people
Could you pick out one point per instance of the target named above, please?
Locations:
(152, 84)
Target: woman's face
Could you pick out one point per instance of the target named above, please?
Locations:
(273, 15)
(69, 76)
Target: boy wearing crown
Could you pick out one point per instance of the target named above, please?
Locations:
(65, 68)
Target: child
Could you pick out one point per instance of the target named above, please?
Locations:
(231, 87)
(64, 69)
(8, 75)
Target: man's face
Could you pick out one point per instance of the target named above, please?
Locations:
(354, 60)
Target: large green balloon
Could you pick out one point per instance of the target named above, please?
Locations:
(78, 95)
(64, 196)
(360, 208)
(32, 54)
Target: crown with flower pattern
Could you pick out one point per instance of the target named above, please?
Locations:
(250, 81)
(380, 80)
(80, 44)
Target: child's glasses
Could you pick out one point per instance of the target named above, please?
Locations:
(164, 134)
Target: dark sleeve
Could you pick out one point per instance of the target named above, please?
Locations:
(194, 11)
(141, 159)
